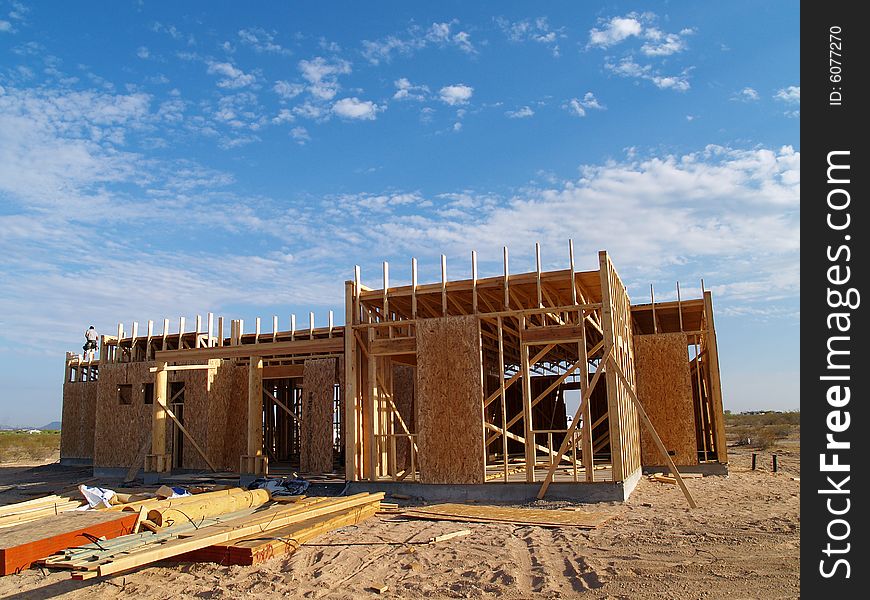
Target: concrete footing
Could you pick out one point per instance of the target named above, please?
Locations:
(704, 469)
(502, 492)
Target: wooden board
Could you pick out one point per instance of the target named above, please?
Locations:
(664, 387)
(506, 514)
(318, 392)
(79, 413)
(403, 396)
(22, 545)
(449, 406)
(284, 541)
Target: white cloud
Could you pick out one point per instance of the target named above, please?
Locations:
(521, 113)
(233, 77)
(790, 94)
(300, 135)
(405, 90)
(527, 30)
(578, 107)
(417, 38)
(143, 52)
(615, 31)
(354, 108)
(747, 94)
(627, 67)
(262, 41)
(663, 44)
(284, 116)
(6, 26)
(322, 76)
(287, 90)
(456, 94)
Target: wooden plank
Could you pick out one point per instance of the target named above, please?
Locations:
(23, 544)
(712, 348)
(553, 334)
(288, 348)
(158, 415)
(352, 406)
(282, 371)
(391, 346)
(255, 407)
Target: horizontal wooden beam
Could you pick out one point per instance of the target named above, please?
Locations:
(291, 348)
(553, 334)
(282, 371)
(392, 346)
(181, 368)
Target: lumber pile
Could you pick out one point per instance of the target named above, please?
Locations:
(32, 510)
(244, 537)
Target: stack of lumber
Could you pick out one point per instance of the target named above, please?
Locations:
(31, 510)
(246, 536)
(23, 544)
(505, 514)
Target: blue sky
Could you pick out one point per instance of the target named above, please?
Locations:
(166, 159)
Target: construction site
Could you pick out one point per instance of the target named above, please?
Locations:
(521, 410)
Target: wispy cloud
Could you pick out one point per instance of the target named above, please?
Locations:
(747, 94)
(614, 31)
(405, 90)
(231, 76)
(416, 38)
(627, 67)
(322, 76)
(790, 94)
(578, 107)
(262, 41)
(521, 113)
(532, 30)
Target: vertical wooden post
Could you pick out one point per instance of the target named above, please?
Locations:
(311, 325)
(158, 461)
(680, 306)
(712, 348)
(133, 336)
(504, 429)
(197, 328)
(443, 285)
(149, 335)
(210, 331)
(165, 334)
(330, 323)
(118, 344)
(255, 406)
(527, 405)
(220, 331)
(474, 281)
(180, 332)
(351, 401)
(614, 413)
(586, 432)
(573, 283)
(538, 273)
(257, 330)
(274, 328)
(652, 296)
(373, 409)
(413, 288)
(386, 315)
(507, 298)
(292, 327)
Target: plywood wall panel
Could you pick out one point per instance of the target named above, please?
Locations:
(664, 387)
(403, 395)
(449, 400)
(318, 389)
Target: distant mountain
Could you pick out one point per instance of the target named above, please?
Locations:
(53, 426)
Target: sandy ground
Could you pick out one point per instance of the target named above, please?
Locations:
(742, 542)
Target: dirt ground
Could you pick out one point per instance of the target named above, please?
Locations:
(742, 542)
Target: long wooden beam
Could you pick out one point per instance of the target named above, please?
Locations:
(315, 346)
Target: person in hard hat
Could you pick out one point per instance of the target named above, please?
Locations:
(90, 346)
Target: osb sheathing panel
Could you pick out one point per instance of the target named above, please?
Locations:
(449, 406)
(403, 396)
(664, 387)
(227, 419)
(120, 429)
(318, 388)
(77, 421)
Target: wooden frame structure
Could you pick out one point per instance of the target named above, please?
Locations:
(540, 333)
(452, 382)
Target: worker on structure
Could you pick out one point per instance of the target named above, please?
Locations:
(90, 346)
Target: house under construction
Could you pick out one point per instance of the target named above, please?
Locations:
(493, 387)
